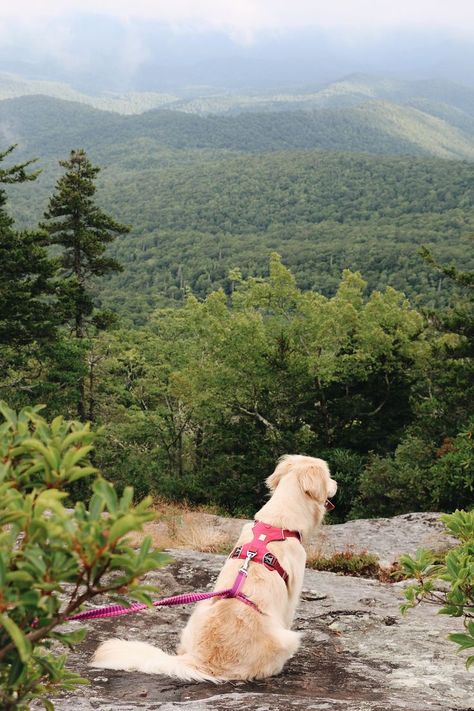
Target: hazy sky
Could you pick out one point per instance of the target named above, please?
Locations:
(243, 20)
(158, 44)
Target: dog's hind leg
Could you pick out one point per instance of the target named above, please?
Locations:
(282, 645)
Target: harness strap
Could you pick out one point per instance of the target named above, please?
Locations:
(256, 550)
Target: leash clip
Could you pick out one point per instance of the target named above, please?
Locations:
(245, 568)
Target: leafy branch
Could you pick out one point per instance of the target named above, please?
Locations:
(53, 558)
(457, 573)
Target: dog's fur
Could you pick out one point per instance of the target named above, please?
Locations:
(224, 638)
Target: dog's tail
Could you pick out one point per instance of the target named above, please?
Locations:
(143, 657)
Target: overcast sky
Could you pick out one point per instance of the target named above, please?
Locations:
(148, 44)
(243, 20)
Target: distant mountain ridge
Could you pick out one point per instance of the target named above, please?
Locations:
(363, 87)
(13, 86)
(349, 91)
(49, 126)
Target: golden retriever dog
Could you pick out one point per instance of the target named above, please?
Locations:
(226, 639)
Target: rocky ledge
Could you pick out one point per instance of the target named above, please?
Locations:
(358, 653)
(388, 538)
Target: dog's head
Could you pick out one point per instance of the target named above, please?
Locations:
(312, 474)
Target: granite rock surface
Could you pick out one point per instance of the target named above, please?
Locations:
(358, 652)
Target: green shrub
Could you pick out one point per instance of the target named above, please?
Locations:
(397, 484)
(457, 571)
(52, 558)
(419, 476)
(453, 473)
(361, 565)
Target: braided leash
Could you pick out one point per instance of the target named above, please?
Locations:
(98, 613)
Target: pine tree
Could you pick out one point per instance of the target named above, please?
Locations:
(83, 231)
(27, 304)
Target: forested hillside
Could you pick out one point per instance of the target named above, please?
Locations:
(50, 125)
(353, 90)
(206, 392)
(206, 194)
(322, 211)
(13, 86)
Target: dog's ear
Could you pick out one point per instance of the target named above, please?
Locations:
(281, 469)
(314, 478)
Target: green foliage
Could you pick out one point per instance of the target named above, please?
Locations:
(83, 231)
(26, 289)
(419, 476)
(198, 213)
(453, 375)
(206, 399)
(398, 483)
(433, 466)
(201, 403)
(453, 472)
(53, 558)
(457, 572)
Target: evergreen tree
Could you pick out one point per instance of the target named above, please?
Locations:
(27, 308)
(82, 230)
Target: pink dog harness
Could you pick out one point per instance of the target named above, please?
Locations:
(257, 551)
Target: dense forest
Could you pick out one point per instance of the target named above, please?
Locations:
(262, 287)
(195, 216)
(208, 193)
(202, 398)
(376, 127)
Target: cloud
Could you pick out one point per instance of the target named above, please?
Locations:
(243, 20)
(137, 43)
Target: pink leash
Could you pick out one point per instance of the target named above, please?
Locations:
(185, 599)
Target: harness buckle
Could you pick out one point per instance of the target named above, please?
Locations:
(245, 568)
